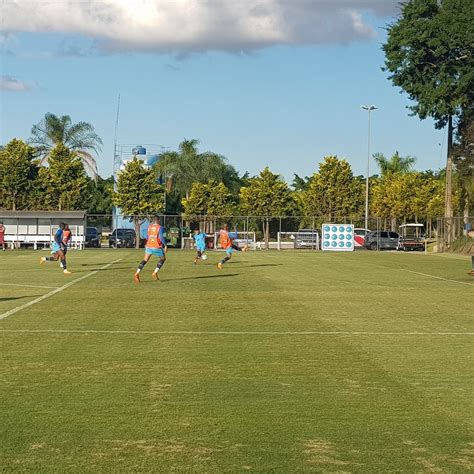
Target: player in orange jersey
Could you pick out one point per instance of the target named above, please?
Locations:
(226, 240)
(155, 245)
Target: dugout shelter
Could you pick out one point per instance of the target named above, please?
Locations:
(36, 228)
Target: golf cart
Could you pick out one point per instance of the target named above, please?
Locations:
(411, 237)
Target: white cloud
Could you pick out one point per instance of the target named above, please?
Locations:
(10, 83)
(182, 26)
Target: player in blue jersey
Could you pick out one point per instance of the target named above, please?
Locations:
(58, 249)
(200, 244)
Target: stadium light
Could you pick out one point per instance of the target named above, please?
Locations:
(369, 109)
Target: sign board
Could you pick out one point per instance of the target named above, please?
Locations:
(337, 237)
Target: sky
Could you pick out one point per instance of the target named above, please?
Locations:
(275, 83)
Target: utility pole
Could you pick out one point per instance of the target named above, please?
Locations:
(369, 109)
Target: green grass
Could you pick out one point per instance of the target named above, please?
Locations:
(282, 361)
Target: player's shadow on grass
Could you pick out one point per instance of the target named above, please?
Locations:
(265, 265)
(10, 298)
(222, 275)
(102, 269)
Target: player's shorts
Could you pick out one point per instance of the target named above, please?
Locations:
(153, 251)
(55, 247)
(229, 251)
(201, 249)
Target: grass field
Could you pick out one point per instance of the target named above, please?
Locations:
(282, 361)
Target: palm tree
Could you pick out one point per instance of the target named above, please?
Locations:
(396, 164)
(78, 137)
(180, 169)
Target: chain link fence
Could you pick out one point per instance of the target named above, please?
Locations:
(260, 233)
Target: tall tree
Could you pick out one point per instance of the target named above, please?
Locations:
(180, 169)
(138, 194)
(18, 170)
(334, 192)
(429, 54)
(464, 159)
(207, 202)
(62, 184)
(396, 164)
(100, 195)
(265, 196)
(410, 195)
(79, 137)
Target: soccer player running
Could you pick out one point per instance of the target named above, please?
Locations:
(155, 245)
(226, 240)
(200, 244)
(66, 239)
(58, 250)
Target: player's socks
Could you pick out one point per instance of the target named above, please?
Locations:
(140, 266)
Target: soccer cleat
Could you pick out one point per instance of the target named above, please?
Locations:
(136, 277)
(246, 247)
(42, 260)
(154, 276)
(67, 272)
(219, 265)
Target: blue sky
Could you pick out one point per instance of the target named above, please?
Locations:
(285, 103)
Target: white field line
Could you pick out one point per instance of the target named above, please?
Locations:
(437, 277)
(234, 333)
(29, 286)
(56, 290)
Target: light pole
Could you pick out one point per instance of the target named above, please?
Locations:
(369, 109)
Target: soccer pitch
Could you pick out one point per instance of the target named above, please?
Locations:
(282, 361)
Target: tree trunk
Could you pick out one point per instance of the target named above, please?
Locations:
(136, 222)
(448, 210)
(267, 234)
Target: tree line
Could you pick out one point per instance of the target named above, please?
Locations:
(197, 184)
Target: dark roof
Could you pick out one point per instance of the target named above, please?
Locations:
(43, 214)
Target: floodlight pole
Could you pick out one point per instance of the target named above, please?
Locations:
(369, 109)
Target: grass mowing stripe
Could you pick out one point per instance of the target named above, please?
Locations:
(437, 277)
(235, 333)
(56, 290)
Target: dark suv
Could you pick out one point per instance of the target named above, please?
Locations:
(121, 238)
(93, 237)
(381, 240)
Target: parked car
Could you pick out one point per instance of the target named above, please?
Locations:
(93, 237)
(411, 237)
(381, 240)
(121, 238)
(306, 239)
(359, 236)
